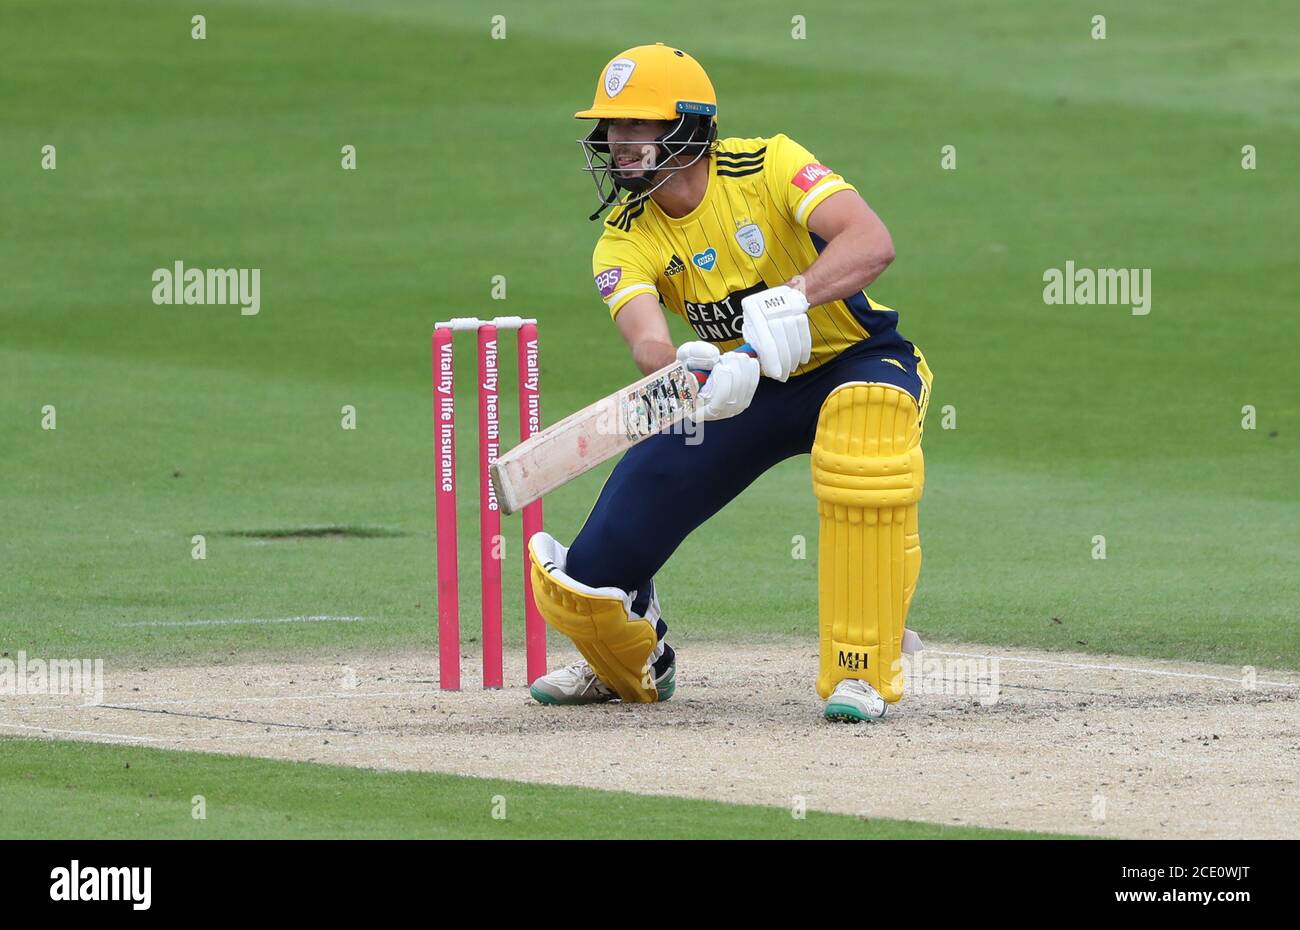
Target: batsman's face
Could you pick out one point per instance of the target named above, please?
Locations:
(631, 146)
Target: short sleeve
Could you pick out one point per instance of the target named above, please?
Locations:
(797, 181)
(621, 271)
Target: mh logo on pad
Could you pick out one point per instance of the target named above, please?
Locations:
(853, 661)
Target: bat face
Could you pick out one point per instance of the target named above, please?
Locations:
(659, 404)
(595, 434)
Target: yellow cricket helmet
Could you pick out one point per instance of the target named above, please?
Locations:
(652, 82)
(649, 82)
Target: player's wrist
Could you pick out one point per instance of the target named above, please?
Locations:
(651, 356)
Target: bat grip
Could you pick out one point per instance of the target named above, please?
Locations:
(702, 375)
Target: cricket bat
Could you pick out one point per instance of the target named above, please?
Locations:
(555, 456)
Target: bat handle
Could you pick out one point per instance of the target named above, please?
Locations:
(703, 376)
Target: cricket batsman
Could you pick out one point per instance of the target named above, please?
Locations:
(751, 241)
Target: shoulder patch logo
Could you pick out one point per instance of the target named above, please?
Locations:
(751, 240)
(617, 74)
(808, 175)
(706, 259)
(676, 266)
(607, 280)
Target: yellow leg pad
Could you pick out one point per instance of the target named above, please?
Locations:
(868, 475)
(616, 644)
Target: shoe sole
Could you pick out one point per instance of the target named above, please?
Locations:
(541, 697)
(847, 713)
(551, 700)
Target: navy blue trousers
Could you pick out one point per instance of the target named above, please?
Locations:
(673, 482)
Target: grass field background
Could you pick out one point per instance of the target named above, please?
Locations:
(1071, 421)
(89, 791)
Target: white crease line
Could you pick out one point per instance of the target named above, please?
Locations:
(91, 733)
(265, 699)
(1113, 668)
(319, 618)
(164, 740)
(138, 739)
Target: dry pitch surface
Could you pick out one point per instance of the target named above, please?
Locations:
(1104, 746)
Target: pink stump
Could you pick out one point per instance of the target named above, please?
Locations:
(444, 442)
(489, 444)
(530, 421)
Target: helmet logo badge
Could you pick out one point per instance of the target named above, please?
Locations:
(617, 74)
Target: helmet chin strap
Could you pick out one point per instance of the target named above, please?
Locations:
(606, 202)
(639, 186)
(619, 185)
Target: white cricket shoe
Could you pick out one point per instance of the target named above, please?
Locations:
(854, 701)
(578, 684)
(573, 684)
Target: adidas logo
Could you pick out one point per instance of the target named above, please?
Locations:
(676, 266)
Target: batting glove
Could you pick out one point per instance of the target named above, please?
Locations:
(699, 355)
(732, 382)
(776, 325)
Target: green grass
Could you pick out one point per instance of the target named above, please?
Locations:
(1071, 421)
(67, 790)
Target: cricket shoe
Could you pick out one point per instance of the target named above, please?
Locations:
(579, 684)
(854, 701)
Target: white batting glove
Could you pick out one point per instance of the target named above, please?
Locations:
(776, 325)
(731, 386)
(698, 355)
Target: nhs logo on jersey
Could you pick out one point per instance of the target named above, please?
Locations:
(706, 259)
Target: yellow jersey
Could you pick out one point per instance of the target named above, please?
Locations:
(749, 233)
